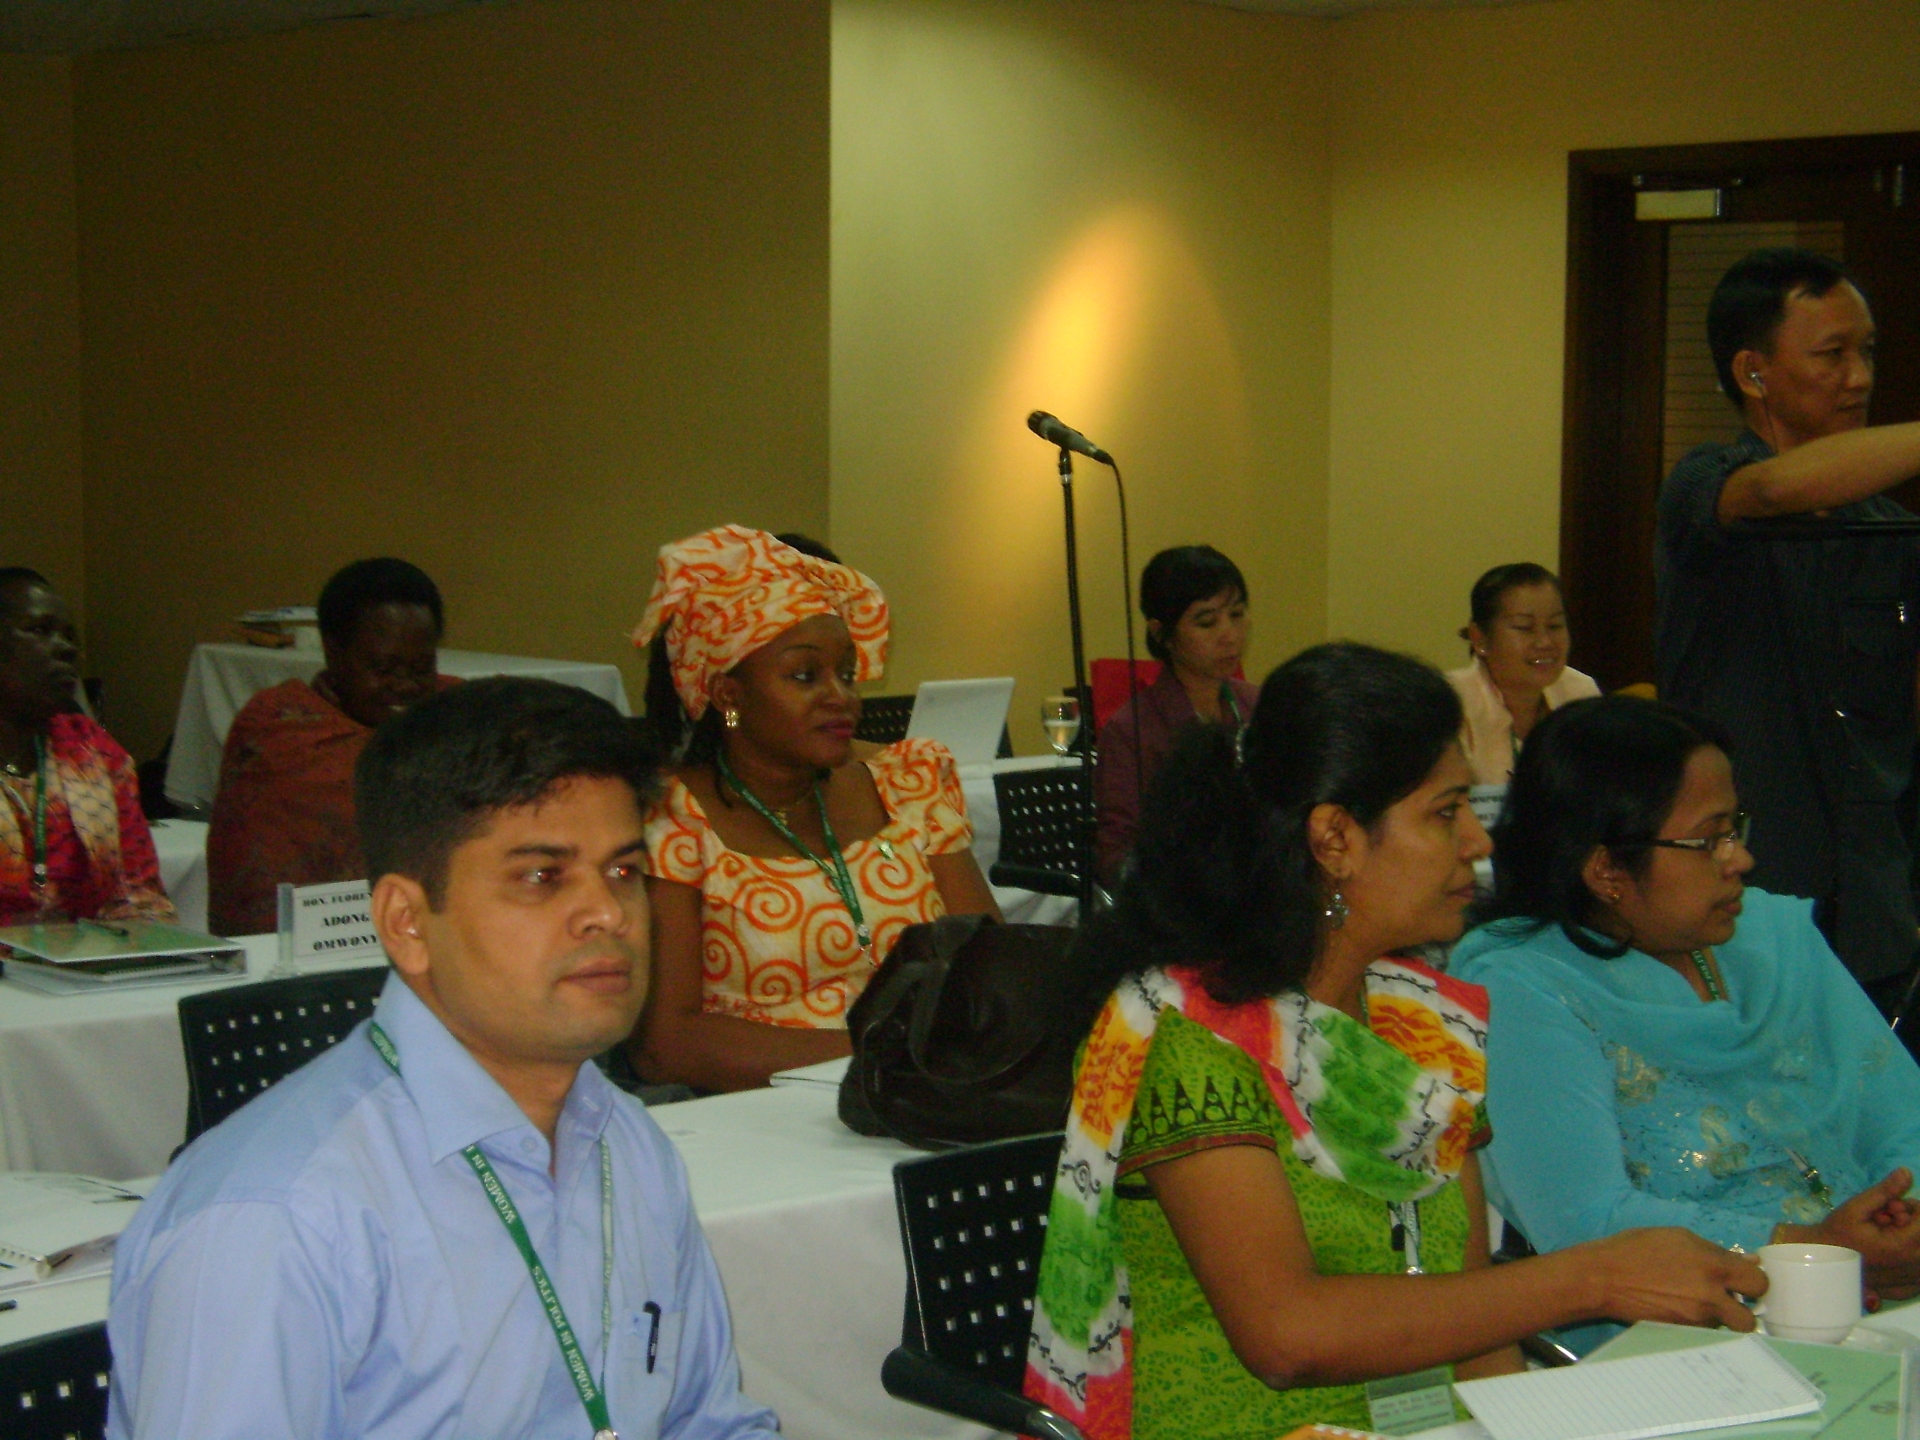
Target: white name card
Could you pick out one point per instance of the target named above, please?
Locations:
(334, 919)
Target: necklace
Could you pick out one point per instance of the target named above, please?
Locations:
(1707, 977)
(835, 866)
(1816, 1185)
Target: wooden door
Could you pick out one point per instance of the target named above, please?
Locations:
(1858, 196)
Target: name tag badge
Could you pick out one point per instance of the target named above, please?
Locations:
(1408, 1404)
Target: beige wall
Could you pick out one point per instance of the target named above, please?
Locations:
(491, 290)
(1117, 213)
(40, 441)
(1449, 249)
(518, 292)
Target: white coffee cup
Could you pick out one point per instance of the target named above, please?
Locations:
(1813, 1291)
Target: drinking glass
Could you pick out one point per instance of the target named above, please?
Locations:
(1060, 714)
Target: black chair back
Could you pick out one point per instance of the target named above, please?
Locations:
(974, 1222)
(884, 718)
(240, 1041)
(55, 1387)
(1046, 829)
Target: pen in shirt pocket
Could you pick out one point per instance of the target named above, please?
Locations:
(653, 1333)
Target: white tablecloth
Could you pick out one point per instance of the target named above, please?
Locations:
(182, 847)
(97, 1084)
(799, 1212)
(222, 678)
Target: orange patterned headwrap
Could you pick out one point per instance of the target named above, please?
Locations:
(722, 594)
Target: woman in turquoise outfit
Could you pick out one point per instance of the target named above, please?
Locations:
(1668, 1046)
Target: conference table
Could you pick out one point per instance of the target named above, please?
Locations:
(222, 678)
(812, 1326)
(97, 1084)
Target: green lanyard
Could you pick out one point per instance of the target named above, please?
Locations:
(593, 1394)
(1714, 992)
(38, 863)
(836, 871)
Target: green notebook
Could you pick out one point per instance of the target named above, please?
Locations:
(84, 953)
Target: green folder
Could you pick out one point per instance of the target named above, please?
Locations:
(108, 950)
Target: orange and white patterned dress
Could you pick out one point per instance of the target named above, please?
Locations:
(777, 944)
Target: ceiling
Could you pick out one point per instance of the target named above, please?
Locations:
(69, 27)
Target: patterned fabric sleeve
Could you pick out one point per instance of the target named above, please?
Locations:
(920, 786)
(1196, 1092)
(145, 898)
(677, 836)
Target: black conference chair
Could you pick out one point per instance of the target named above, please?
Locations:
(884, 718)
(973, 1223)
(240, 1041)
(55, 1387)
(1046, 830)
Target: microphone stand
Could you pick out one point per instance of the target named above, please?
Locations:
(1082, 741)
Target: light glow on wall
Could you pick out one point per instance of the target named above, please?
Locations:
(1125, 340)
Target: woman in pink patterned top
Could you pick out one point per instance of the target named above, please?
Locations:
(73, 842)
(784, 857)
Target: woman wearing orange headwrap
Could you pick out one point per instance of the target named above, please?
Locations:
(780, 871)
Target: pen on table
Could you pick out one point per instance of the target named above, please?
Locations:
(9, 1304)
(120, 930)
(653, 1334)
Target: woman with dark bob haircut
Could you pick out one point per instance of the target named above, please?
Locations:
(1671, 1047)
(1195, 603)
(1268, 1194)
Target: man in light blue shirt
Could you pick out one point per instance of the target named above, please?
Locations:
(330, 1261)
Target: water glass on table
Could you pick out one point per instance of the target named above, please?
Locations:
(1060, 715)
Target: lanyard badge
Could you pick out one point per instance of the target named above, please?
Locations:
(592, 1389)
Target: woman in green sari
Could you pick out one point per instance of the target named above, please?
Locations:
(1268, 1195)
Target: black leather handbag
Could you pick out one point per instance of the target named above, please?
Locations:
(958, 1038)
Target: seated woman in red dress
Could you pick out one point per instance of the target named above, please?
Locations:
(284, 812)
(73, 842)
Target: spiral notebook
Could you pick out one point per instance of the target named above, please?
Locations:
(59, 1227)
(1740, 1383)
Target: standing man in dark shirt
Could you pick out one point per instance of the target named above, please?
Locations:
(1803, 649)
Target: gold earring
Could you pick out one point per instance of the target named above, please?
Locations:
(730, 718)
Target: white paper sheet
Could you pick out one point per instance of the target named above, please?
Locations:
(1734, 1384)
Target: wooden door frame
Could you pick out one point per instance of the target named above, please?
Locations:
(1605, 247)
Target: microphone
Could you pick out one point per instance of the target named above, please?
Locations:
(1066, 437)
